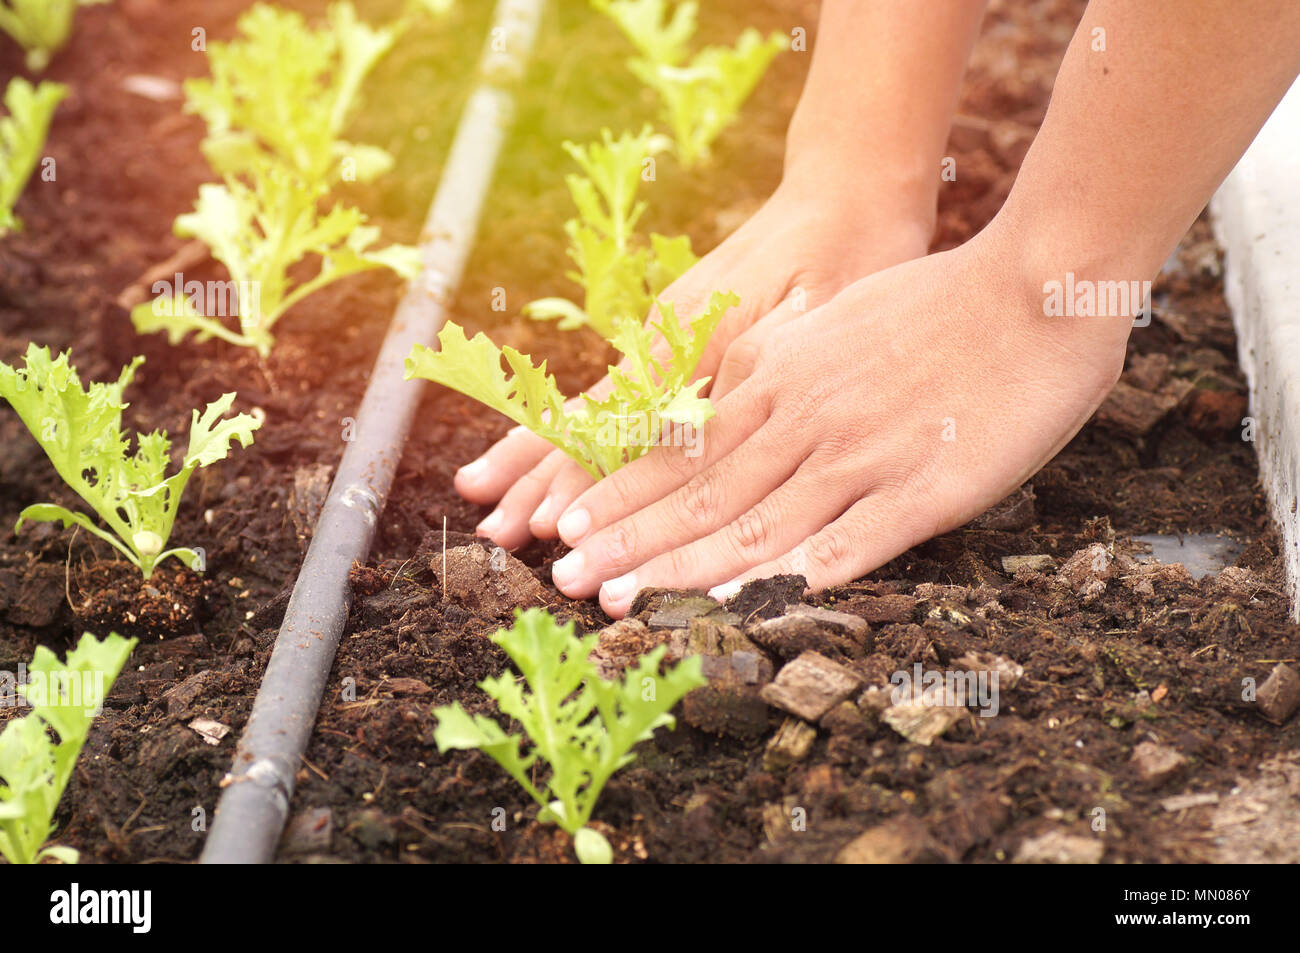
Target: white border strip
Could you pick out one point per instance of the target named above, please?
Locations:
(1256, 216)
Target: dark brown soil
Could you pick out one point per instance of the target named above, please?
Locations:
(1104, 671)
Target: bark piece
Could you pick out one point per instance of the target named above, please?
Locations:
(810, 686)
(1279, 696)
(791, 743)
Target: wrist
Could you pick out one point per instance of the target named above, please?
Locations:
(1082, 297)
(901, 189)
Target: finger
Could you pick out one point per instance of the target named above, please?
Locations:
(810, 499)
(507, 525)
(664, 469)
(487, 479)
(707, 502)
(742, 354)
(868, 535)
(566, 486)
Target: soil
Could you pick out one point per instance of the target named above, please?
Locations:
(1114, 654)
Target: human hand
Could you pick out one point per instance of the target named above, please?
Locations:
(914, 400)
(799, 248)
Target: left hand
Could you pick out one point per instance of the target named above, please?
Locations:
(907, 405)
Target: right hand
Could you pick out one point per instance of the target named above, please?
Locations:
(797, 251)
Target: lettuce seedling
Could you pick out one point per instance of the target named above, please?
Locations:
(22, 137)
(80, 430)
(620, 277)
(646, 400)
(259, 233)
(288, 91)
(581, 725)
(702, 98)
(34, 769)
(660, 38)
(699, 97)
(41, 27)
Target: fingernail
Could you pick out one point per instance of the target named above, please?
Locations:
(573, 525)
(473, 472)
(566, 571)
(725, 591)
(491, 524)
(621, 589)
(543, 512)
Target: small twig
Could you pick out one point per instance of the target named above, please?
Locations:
(191, 253)
(67, 570)
(444, 557)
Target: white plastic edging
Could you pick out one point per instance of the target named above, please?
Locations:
(1256, 215)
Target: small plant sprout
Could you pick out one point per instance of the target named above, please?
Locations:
(619, 276)
(34, 769)
(659, 37)
(275, 106)
(22, 137)
(581, 725)
(41, 27)
(288, 91)
(699, 97)
(601, 435)
(80, 430)
(259, 233)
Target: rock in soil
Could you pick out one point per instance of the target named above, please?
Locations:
(1136, 412)
(922, 723)
(810, 686)
(787, 636)
(791, 743)
(900, 840)
(730, 704)
(1038, 563)
(1087, 572)
(622, 644)
(1279, 696)
(1157, 764)
(1060, 847)
(680, 613)
(492, 583)
(1008, 673)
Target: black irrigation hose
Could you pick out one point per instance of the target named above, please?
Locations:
(255, 804)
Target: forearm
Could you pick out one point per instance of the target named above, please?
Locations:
(1139, 136)
(878, 103)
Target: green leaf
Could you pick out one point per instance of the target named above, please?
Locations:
(584, 728)
(34, 768)
(22, 135)
(261, 233)
(702, 98)
(670, 259)
(284, 91)
(41, 27)
(210, 436)
(660, 38)
(80, 430)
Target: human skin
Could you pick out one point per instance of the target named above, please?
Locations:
(858, 194)
(828, 455)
